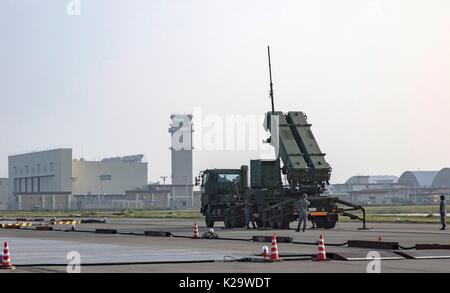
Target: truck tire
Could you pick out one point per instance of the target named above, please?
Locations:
(227, 219)
(285, 223)
(259, 223)
(279, 223)
(209, 222)
(274, 223)
(325, 223)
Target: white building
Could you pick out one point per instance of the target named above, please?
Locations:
(49, 179)
(412, 187)
(40, 179)
(4, 194)
(109, 176)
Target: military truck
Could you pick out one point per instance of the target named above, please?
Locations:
(222, 189)
(227, 192)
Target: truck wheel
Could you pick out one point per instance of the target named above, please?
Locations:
(240, 223)
(209, 222)
(325, 223)
(227, 224)
(274, 223)
(239, 218)
(285, 223)
(330, 224)
(259, 223)
(227, 219)
(279, 223)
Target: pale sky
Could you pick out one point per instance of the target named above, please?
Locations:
(373, 77)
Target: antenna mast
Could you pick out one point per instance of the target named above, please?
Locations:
(271, 84)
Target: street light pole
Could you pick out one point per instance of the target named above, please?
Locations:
(102, 178)
(74, 180)
(186, 180)
(172, 194)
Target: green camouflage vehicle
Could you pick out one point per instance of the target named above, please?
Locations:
(226, 192)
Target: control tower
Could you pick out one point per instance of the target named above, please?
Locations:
(181, 129)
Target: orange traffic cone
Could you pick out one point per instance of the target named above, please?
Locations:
(274, 250)
(6, 259)
(321, 253)
(196, 235)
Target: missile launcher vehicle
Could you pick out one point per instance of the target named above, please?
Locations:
(273, 187)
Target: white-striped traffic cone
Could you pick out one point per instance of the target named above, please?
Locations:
(6, 259)
(274, 256)
(321, 253)
(196, 235)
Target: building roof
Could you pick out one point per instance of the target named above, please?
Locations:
(43, 193)
(378, 179)
(146, 191)
(442, 178)
(418, 178)
(38, 152)
(126, 159)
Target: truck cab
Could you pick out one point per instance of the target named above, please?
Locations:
(221, 188)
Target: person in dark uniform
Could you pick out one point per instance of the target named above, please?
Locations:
(303, 205)
(249, 216)
(443, 212)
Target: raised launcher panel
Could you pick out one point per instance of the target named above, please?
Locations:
(299, 151)
(301, 130)
(290, 154)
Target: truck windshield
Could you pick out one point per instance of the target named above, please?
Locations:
(228, 178)
(205, 179)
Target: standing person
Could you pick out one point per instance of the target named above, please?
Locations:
(313, 222)
(303, 205)
(249, 216)
(443, 212)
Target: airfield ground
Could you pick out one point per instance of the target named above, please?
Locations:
(46, 251)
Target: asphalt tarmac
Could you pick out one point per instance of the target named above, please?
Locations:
(49, 251)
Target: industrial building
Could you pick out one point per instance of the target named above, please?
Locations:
(4, 193)
(108, 176)
(418, 179)
(132, 199)
(412, 187)
(180, 196)
(51, 179)
(155, 196)
(40, 179)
